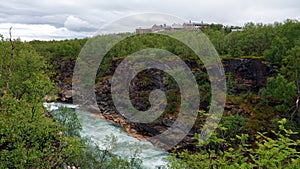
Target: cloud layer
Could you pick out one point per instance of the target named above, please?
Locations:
(74, 18)
(29, 32)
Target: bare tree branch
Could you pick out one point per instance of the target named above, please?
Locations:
(10, 62)
(298, 96)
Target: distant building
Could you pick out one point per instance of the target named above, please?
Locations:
(237, 30)
(167, 27)
(194, 25)
(159, 28)
(189, 26)
(174, 27)
(143, 31)
(156, 28)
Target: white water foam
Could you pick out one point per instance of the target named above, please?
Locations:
(98, 129)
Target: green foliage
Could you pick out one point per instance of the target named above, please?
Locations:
(67, 118)
(59, 49)
(278, 50)
(31, 137)
(279, 91)
(291, 30)
(287, 37)
(233, 125)
(291, 65)
(28, 78)
(108, 160)
(218, 39)
(265, 152)
(269, 40)
(28, 138)
(253, 40)
(231, 84)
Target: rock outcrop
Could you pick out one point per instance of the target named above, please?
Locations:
(249, 75)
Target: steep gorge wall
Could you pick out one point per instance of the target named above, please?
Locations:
(247, 74)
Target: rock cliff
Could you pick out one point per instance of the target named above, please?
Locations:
(247, 74)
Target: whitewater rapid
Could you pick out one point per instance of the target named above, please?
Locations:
(98, 129)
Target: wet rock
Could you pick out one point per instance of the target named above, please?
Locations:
(65, 96)
(49, 98)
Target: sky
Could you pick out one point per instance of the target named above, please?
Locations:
(66, 19)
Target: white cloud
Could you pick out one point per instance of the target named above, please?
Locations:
(76, 24)
(29, 32)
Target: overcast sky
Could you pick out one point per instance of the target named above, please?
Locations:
(64, 19)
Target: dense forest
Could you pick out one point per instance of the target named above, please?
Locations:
(264, 135)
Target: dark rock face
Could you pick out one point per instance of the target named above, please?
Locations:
(249, 74)
(140, 88)
(63, 78)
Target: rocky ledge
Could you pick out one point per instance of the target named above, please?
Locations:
(251, 74)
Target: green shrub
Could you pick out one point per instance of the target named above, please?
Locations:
(265, 152)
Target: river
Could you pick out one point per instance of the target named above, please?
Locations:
(97, 129)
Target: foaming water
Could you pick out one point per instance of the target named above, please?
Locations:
(98, 129)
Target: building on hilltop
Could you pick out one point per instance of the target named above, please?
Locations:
(237, 30)
(195, 25)
(143, 30)
(156, 28)
(159, 28)
(174, 27)
(177, 27)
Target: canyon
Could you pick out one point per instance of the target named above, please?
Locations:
(243, 75)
